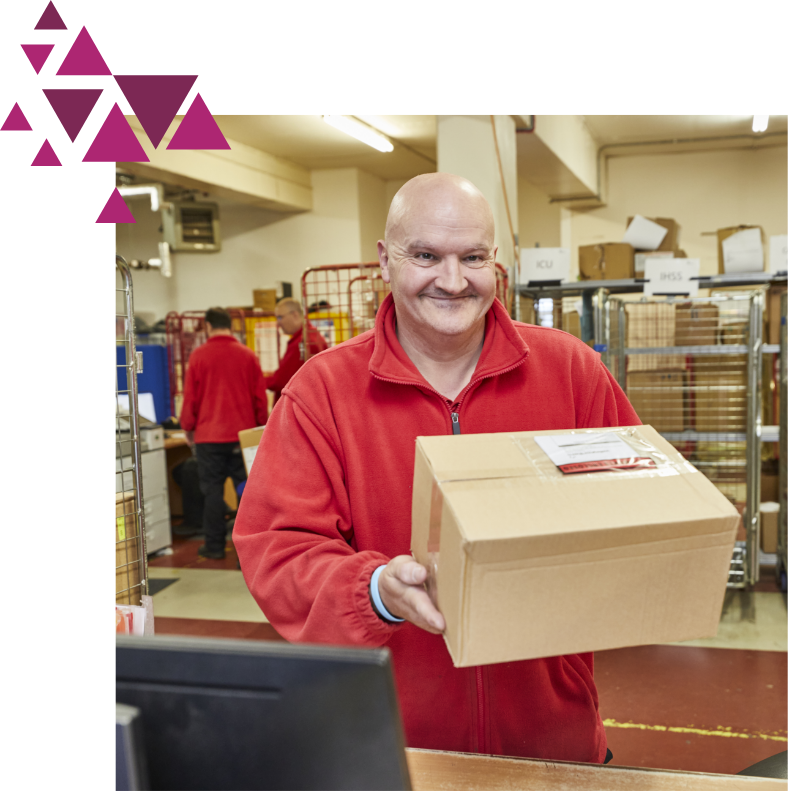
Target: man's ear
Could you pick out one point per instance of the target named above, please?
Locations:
(383, 257)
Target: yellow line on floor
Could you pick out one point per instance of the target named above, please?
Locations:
(721, 730)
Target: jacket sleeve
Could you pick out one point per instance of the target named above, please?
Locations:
(259, 397)
(190, 406)
(293, 534)
(289, 364)
(607, 405)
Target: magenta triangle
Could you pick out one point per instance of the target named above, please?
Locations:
(155, 100)
(198, 130)
(72, 106)
(46, 157)
(116, 210)
(50, 19)
(116, 141)
(83, 58)
(16, 121)
(37, 54)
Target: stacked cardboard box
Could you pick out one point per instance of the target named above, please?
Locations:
(658, 398)
(610, 261)
(720, 389)
(724, 233)
(697, 324)
(649, 325)
(265, 299)
(127, 550)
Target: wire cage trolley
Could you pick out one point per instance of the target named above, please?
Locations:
(342, 300)
(782, 477)
(255, 328)
(131, 564)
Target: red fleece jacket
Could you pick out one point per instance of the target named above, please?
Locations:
(224, 391)
(331, 501)
(292, 361)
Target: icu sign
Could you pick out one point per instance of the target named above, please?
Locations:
(672, 276)
(545, 263)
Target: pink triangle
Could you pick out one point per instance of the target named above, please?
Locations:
(83, 58)
(116, 141)
(37, 54)
(72, 106)
(46, 157)
(16, 121)
(50, 19)
(116, 210)
(198, 130)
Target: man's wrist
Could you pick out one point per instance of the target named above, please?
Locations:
(377, 602)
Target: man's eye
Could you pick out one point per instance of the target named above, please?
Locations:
(425, 256)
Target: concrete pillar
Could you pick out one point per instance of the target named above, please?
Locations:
(466, 148)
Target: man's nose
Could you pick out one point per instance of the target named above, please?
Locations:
(450, 276)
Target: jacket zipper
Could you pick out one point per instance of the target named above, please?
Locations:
(455, 423)
(481, 741)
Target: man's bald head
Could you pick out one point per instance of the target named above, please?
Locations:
(441, 195)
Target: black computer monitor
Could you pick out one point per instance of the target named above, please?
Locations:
(233, 714)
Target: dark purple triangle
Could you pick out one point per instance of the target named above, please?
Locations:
(16, 121)
(155, 100)
(50, 20)
(72, 106)
(198, 130)
(116, 210)
(116, 141)
(37, 54)
(83, 58)
(46, 157)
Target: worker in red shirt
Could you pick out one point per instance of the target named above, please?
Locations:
(290, 318)
(324, 527)
(224, 393)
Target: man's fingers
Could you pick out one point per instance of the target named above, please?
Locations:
(411, 573)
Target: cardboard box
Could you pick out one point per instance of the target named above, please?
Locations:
(697, 324)
(720, 389)
(127, 551)
(724, 233)
(671, 241)
(570, 322)
(770, 519)
(650, 325)
(526, 561)
(773, 312)
(250, 439)
(265, 299)
(658, 398)
(610, 261)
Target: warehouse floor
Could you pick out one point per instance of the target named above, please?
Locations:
(716, 705)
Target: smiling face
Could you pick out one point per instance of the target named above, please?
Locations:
(439, 255)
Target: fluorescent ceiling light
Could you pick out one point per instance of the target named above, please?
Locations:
(360, 131)
(759, 123)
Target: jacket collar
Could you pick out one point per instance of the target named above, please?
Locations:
(503, 348)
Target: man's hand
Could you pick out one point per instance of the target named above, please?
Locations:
(190, 438)
(401, 587)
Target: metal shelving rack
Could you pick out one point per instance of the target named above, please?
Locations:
(737, 438)
(782, 479)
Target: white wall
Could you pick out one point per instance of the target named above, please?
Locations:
(702, 191)
(259, 246)
(540, 220)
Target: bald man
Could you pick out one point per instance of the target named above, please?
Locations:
(324, 532)
(290, 319)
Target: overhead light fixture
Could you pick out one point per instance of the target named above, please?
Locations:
(366, 134)
(759, 123)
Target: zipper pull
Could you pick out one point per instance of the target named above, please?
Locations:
(455, 423)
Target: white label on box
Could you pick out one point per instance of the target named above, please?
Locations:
(672, 276)
(249, 454)
(545, 263)
(641, 258)
(590, 452)
(643, 234)
(743, 251)
(778, 254)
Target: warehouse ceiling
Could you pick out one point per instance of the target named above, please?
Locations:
(308, 141)
(610, 129)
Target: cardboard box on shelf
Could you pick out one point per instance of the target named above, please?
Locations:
(770, 518)
(742, 265)
(265, 299)
(526, 561)
(658, 398)
(250, 439)
(734, 334)
(649, 325)
(773, 312)
(609, 261)
(697, 324)
(127, 550)
(570, 322)
(720, 389)
(671, 241)
(642, 257)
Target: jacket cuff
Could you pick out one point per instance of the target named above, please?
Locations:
(375, 626)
